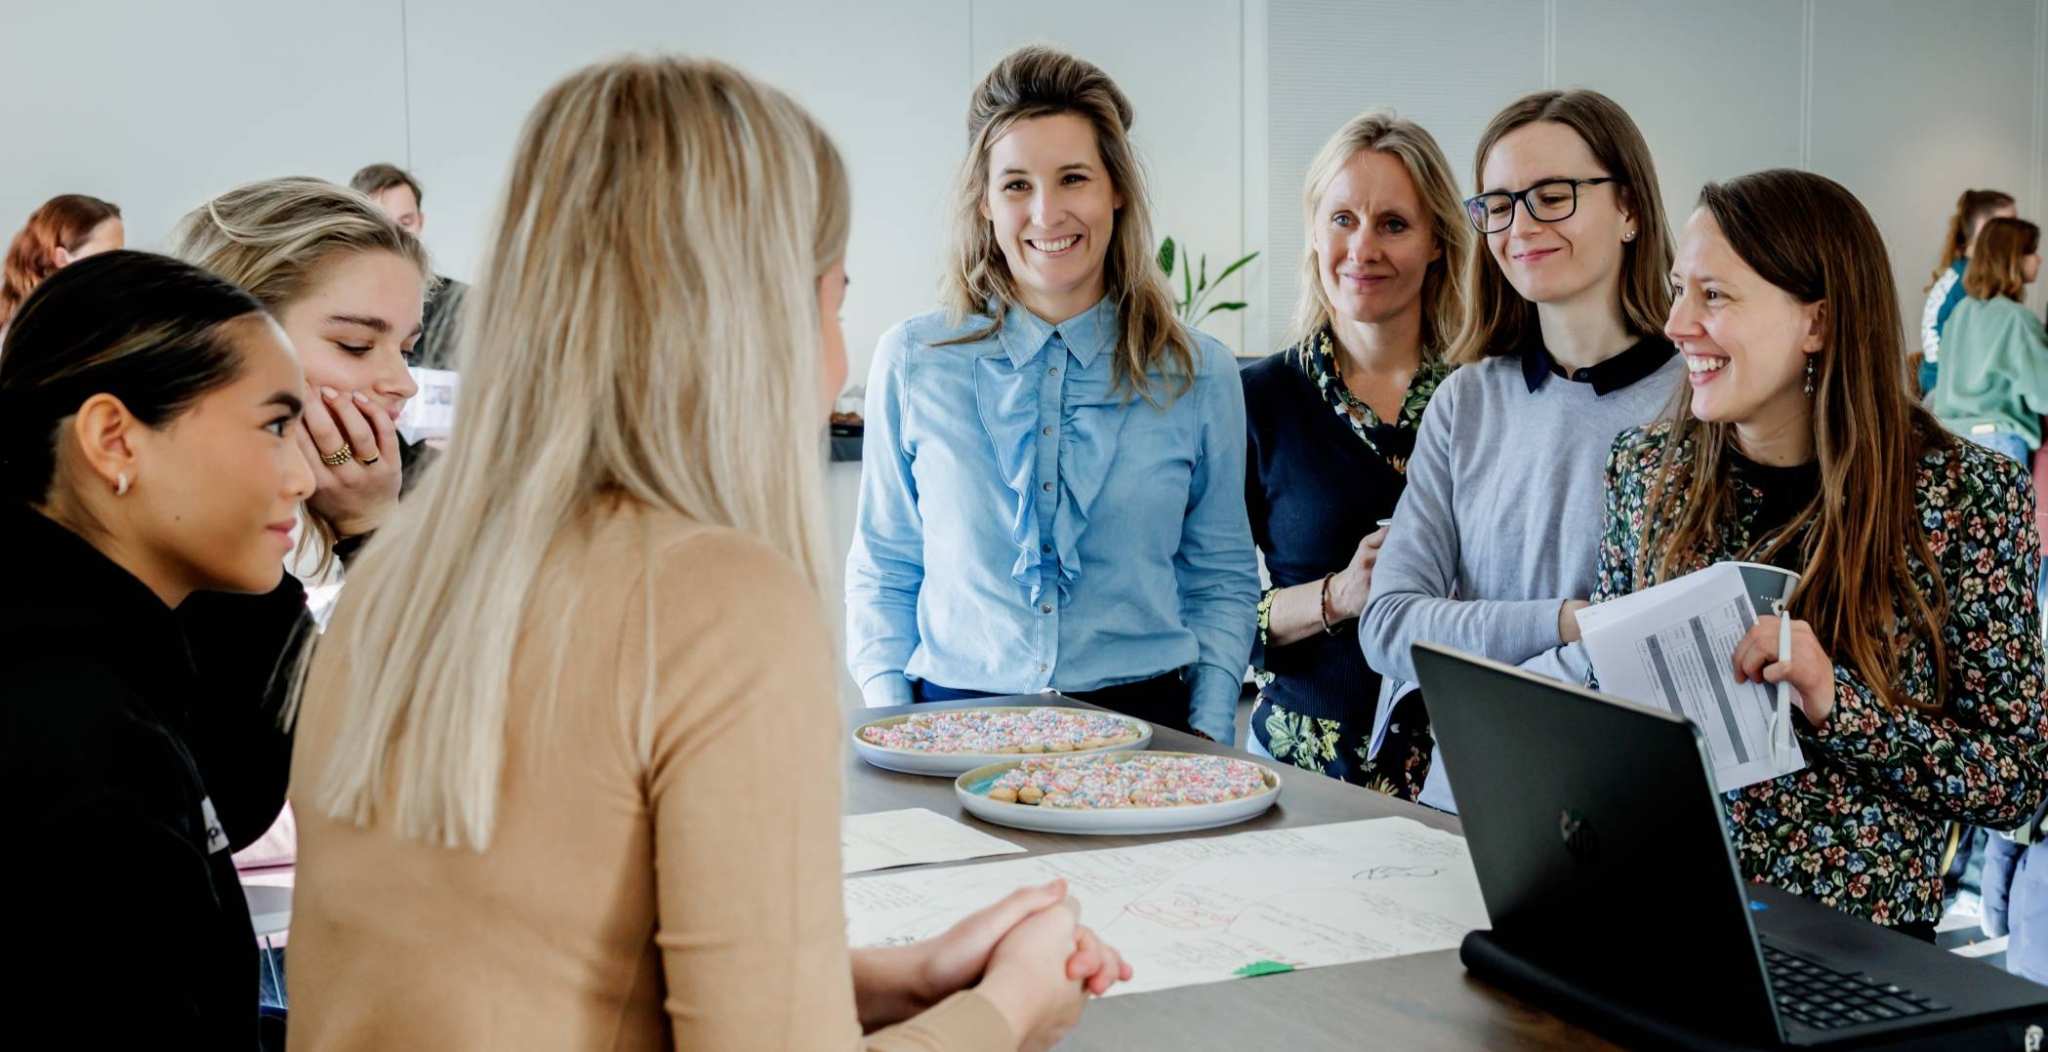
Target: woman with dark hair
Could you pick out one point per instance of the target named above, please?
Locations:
(67, 228)
(146, 409)
(1915, 647)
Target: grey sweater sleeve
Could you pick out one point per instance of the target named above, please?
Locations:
(1416, 578)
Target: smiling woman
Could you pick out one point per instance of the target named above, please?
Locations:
(1052, 490)
(1915, 648)
(1560, 351)
(1332, 422)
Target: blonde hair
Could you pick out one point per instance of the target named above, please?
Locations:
(1035, 82)
(272, 237)
(649, 307)
(1499, 319)
(1443, 284)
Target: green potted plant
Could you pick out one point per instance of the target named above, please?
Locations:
(1195, 287)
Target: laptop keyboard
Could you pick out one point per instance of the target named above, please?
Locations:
(1825, 999)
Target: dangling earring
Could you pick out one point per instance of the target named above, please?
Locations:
(121, 484)
(1809, 375)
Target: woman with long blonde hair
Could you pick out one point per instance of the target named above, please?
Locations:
(347, 284)
(1052, 485)
(1561, 350)
(1332, 422)
(535, 743)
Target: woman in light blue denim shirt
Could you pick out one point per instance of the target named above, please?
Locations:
(1052, 488)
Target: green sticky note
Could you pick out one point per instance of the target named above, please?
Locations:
(1258, 968)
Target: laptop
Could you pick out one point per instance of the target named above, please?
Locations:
(1615, 896)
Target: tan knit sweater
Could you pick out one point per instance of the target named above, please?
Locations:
(664, 871)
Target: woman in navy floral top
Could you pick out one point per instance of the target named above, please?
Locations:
(1916, 653)
(1331, 422)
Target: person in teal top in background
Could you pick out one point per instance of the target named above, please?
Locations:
(1052, 483)
(1945, 289)
(1993, 387)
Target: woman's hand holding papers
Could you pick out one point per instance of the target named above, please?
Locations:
(1809, 668)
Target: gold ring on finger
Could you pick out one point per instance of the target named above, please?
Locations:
(339, 457)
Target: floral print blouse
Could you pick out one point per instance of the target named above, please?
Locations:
(1861, 828)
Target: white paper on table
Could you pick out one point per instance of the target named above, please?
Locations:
(911, 837)
(430, 414)
(1185, 912)
(1672, 648)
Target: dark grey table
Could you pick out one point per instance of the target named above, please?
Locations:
(1414, 1004)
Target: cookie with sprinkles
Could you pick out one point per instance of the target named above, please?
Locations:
(1128, 780)
(1044, 729)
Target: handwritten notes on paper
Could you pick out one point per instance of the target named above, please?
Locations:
(1201, 911)
(912, 837)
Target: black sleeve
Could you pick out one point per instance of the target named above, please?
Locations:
(119, 942)
(121, 919)
(246, 648)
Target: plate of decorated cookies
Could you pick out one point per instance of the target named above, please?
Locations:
(1119, 792)
(947, 742)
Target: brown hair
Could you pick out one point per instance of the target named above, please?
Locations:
(1972, 209)
(1443, 283)
(1998, 266)
(374, 179)
(65, 222)
(1035, 82)
(1499, 319)
(1809, 236)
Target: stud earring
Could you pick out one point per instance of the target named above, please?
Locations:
(1630, 236)
(121, 484)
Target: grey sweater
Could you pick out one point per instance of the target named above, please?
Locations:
(1501, 520)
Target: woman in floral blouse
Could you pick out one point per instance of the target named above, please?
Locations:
(1915, 655)
(1332, 421)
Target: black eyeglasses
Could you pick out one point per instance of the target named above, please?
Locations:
(1550, 201)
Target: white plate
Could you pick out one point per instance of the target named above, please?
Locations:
(972, 789)
(949, 764)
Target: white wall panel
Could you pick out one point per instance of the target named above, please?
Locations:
(1448, 66)
(1913, 103)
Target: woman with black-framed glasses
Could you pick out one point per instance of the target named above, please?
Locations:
(1494, 546)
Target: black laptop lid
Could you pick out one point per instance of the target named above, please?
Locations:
(1598, 839)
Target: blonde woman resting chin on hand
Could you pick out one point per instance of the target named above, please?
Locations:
(557, 787)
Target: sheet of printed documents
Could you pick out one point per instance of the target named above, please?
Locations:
(1672, 647)
(913, 837)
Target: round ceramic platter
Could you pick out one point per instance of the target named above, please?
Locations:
(949, 764)
(972, 789)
